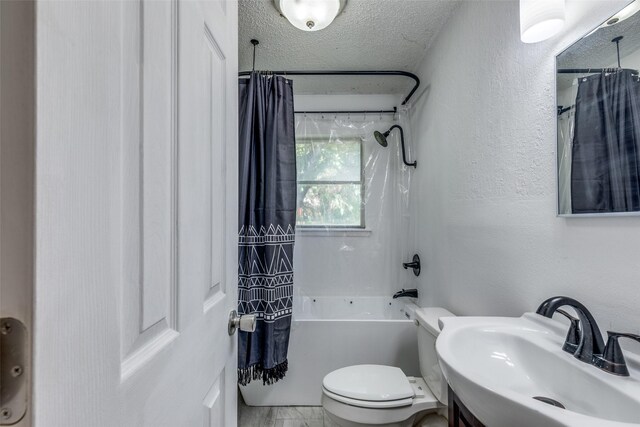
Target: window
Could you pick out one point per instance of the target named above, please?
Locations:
(330, 182)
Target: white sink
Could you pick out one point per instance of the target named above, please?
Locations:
(496, 365)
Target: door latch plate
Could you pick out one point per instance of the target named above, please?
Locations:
(13, 366)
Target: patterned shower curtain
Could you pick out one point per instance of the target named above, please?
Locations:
(267, 214)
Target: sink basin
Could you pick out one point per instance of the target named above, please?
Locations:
(498, 365)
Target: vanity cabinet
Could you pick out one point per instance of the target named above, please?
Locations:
(459, 415)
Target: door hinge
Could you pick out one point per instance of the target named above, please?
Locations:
(13, 365)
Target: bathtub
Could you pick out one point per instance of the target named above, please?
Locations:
(328, 333)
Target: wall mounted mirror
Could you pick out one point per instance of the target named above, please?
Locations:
(598, 96)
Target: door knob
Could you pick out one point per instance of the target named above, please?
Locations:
(246, 323)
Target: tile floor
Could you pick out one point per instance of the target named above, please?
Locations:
(281, 416)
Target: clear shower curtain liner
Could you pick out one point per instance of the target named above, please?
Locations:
(355, 206)
(566, 124)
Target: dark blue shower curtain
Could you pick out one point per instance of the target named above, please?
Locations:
(267, 214)
(605, 165)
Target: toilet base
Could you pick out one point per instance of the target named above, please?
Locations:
(423, 419)
(346, 423)
(346, 415)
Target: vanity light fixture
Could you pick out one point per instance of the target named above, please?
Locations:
(310, 15)
(540, 19)
(625, 13)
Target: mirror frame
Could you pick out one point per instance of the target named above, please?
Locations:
(557, 132)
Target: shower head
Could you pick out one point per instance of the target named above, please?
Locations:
(381, 138)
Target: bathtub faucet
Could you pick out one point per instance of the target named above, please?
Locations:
(411, 293)
(414, 265)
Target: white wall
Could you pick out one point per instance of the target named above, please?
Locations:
(486, 131)
(359, 263)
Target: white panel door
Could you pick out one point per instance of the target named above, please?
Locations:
(136, 217)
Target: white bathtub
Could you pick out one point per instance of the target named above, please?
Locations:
(328, 333)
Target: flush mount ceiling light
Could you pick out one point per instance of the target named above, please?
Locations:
(310, 15)
(540, 19)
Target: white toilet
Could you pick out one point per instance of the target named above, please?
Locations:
(376, 395)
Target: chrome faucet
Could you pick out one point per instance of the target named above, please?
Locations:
(591, 342)
(411, 293)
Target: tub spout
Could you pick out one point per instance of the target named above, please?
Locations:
(410, 293)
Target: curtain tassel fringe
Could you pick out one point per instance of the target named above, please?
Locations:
(268, 376)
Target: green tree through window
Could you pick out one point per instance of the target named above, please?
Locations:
(330, 182)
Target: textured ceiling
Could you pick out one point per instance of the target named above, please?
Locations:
(367, 35)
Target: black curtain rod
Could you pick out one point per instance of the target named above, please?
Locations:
(592, 70)
(349, 73)
(394, 111)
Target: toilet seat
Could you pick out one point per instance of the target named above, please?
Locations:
(374, 387)
(370, 383)
(371, 404)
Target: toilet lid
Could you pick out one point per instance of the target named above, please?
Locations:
(375, 383)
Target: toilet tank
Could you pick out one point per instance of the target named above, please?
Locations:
(428, 331)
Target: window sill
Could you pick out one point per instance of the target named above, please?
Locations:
(333, 232)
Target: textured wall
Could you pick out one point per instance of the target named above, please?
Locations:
(485, 130)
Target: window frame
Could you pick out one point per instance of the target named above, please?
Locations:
(361, 182)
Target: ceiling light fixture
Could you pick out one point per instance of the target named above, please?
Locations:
(310, 15)
(540, 19)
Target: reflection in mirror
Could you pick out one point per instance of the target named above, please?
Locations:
(598, 93)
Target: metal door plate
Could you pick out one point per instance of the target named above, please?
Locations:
(13, 366)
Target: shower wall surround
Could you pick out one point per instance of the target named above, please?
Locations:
(359, 262)
(485, 127)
